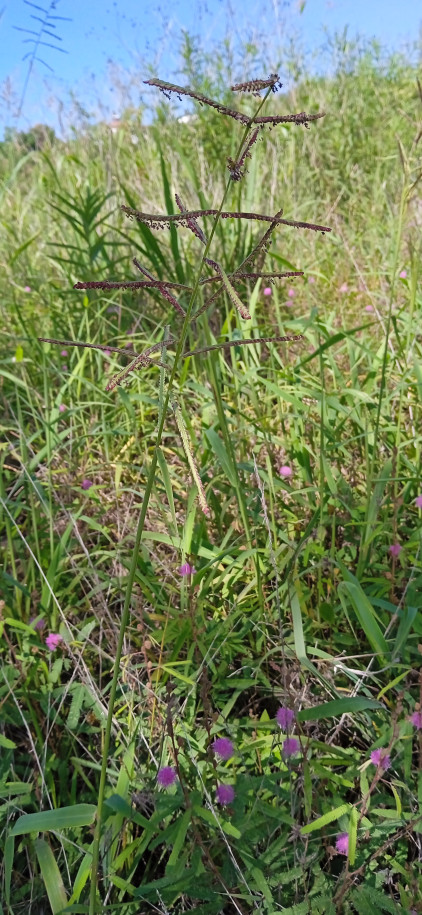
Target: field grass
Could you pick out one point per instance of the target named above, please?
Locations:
(302, 586)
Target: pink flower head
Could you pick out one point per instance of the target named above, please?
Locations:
(285, 717)
(27, 289)
(86, 484)
(63, 353)
(225, 794)
(342, 843)
(344, 287)
(418, 501)
(311, 279)
(167, 776)
(223, 747)
(64, 367)
(268, 290)
(416, 720)
(107, 352)
(380, 758)
(62, 408)
(290, 747)
(53, 640)
(186, 569)
(403, 274)
(291, 293)
(37, 624)
(285, 471)
(395, 549)
(369, 307)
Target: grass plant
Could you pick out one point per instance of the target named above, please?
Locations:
(211, 684)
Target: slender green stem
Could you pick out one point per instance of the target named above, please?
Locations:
(138, 537)
(365, 539)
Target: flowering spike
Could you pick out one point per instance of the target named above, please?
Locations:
(168, 88)
(157, 222)
(191, 460)
(230, 290)
(131, 285)
(140, 361)
(278, 339)
(162, 287)
(237, 168)
(143, 270)
(256, 85)
(191, 223)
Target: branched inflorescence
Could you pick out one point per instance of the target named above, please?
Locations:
(224, 282)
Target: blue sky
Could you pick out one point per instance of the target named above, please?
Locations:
(135, 34)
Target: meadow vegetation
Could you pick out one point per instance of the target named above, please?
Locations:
(265, 718)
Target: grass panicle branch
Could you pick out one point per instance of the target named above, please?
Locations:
(191, 222)
(238, 304)
(165, 221)
(255, 86)
(268, 120)
(237, 169)
(109, 285)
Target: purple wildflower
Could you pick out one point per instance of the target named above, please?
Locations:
(290, 747)
(416, 720)
(344, 287)
(63, 353)
(37, 624)
(62, 408)
(223, 747)
(342, 843)
(225, 794)
(369, 307)
(167, 776)
(53, 640)
(64, 367)
(86, 484)
(285, 717)
(268, 290)
(291, 293)
(186, 569)
(285, 471)
(418, 501)
(403, 274)
(311, 279)
(395, 549)
(27, 289)
(380, 758)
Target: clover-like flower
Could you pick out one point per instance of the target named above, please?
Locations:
(381, 759)
(223, 747)
(416, 720)
(290, 747)
(53, 640)
(186, 569)
(342, 843)
(167, 776)
(285, 717)
(225, 794)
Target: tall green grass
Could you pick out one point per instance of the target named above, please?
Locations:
(296, 599)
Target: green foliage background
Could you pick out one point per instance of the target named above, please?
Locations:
(299, 604)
